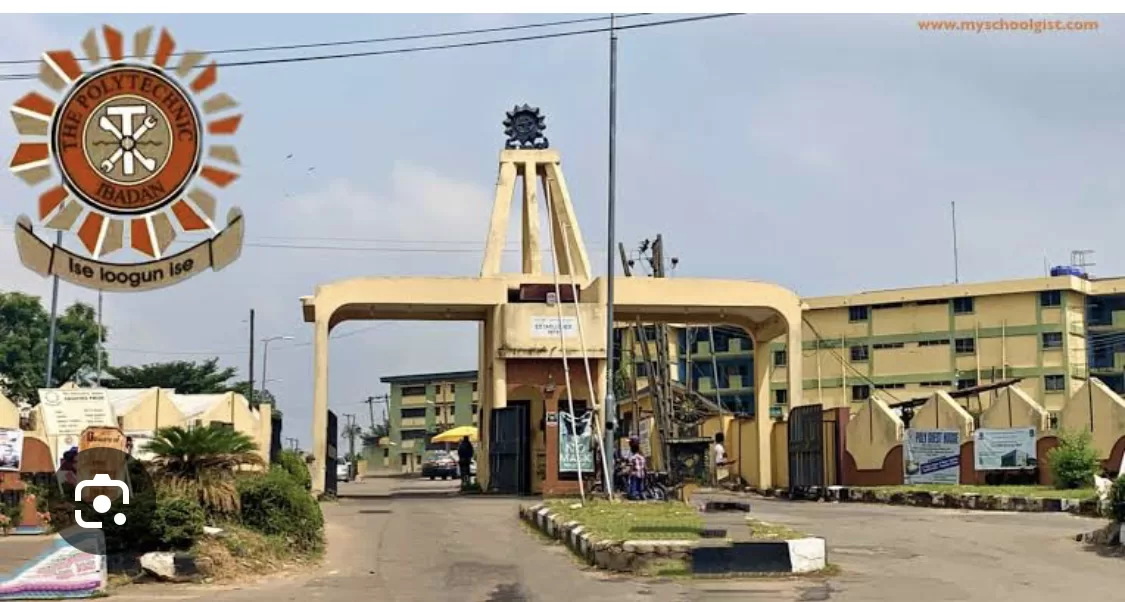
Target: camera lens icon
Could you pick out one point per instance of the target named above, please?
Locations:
(101, 503)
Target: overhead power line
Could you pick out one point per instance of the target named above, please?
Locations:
(476, 43)
(383, 40)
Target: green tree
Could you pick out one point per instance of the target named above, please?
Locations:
(199, 463)
(24, 330)
(185, 377)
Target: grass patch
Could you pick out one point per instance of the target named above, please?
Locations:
(667, 568)
(1011, 490)
(770, 531)
(241, 552)
(621, 521)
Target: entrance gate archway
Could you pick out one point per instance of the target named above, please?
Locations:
(519, 341)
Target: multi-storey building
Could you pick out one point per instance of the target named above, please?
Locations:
(1051, 332)
(422, 405)
(905, 343)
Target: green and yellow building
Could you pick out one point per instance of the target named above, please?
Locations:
(1052, 332)
(422, 405)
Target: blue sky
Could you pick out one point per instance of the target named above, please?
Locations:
(819, 152)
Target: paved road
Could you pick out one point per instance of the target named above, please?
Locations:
(409, 540)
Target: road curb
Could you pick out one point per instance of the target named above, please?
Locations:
(936, 499)
(705, 557)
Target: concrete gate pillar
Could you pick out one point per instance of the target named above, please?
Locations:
(320, 404)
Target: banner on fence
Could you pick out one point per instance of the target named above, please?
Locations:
(11, 449)
(1004, 449)
(932, 457)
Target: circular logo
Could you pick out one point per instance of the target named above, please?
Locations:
(52, 398)
(127, 139)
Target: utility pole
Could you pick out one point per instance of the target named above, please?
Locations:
(610, 397)
(49, 379)
(371, 407)
(250, 393)
(956, 262)
(101, 341)
(662, 337)
(352, 468)
(655, 388)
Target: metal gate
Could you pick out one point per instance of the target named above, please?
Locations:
(806, 447)
(330, 460)
(507, 460)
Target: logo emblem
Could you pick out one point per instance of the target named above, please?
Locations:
(131, 152)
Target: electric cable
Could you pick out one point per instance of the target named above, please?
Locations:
(456, 45)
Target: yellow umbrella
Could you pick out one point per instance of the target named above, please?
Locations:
(454, 435)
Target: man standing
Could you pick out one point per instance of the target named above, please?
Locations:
(637, 467)
(465, 460)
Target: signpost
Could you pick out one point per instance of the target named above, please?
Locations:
(932, 457)
(1004, 449)
(575, 433)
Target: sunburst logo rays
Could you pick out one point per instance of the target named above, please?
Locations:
(123, 146)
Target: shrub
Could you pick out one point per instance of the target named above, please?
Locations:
(1117, 499)
(200, 463)
(177, 522)
(1074, 462)
(274, 503)
(294, 464)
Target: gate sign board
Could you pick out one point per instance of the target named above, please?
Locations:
(125, 148)
(1004, 449)
(549, 327)
(932, 456)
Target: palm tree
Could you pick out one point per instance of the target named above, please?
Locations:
(200, 463)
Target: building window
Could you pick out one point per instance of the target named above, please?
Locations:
(1052, 340)
(888, 345)
(891, 386)
(779, 358)
(965, 345)
(966, 383)
(861, 392)
(1054, 383)
(1050, 298)
(933, 342)
(413, 412)
(963, 305)
(418, 390)
(860, 353)
(474, 387)
(858, 314)
(935, 383)
(781, 397)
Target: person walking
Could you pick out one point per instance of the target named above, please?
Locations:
(465, 460)
(719, 461)
(636, 471)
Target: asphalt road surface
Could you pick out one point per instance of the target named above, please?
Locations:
(404, 540)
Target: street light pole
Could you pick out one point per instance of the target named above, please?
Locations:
(610, 401)
(266, 354)
(49, 379)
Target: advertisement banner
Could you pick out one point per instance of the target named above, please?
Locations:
(932, 457)
(70, 411)
(11, 449)
(1004, 449)
(574, 443)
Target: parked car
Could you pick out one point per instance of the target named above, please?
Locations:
(436, 463)
(343, 472)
